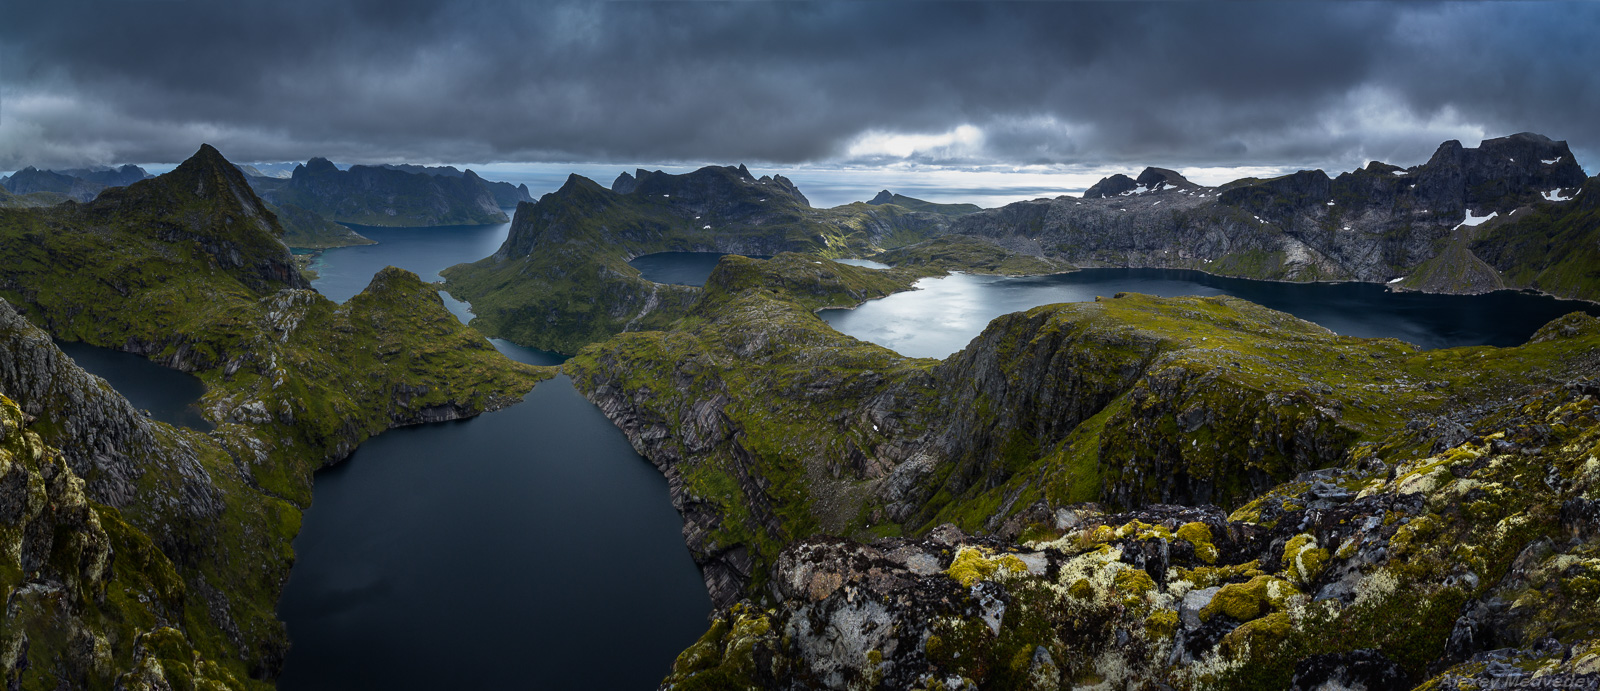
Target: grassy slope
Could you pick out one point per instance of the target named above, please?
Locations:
(293, 380)
(304, 229)
(914, 204)
(1555, 249)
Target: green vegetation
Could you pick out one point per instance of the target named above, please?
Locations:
(304, 229)
(914, 204)
(1554, 248)
(963, 253)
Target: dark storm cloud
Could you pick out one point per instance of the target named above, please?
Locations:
(955, 83)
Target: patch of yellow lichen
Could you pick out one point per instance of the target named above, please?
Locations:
(973, 564)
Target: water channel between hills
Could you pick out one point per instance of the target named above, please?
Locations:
(944, 314)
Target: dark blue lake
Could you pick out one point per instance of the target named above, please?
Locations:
(528, 548)
(944, 314)
(525, 548)
(169, 395)
(682, 268)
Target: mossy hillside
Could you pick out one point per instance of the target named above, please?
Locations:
(961, 253)
(30, 200)
(1138, 400)
(914, 204)
(1554, 248)
(293, 381)
(1424, 572)
(84, 587)
(1454, 269)
(769, 417)
(562, 281)
(1132, 400)
(304, 229)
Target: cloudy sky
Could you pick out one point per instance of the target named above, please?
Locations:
(1036, 86)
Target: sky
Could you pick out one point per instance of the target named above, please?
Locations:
(1026, 96)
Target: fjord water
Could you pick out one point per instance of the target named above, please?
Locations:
(342, 272)
(169, 395)
(528, 548)
(503, 551)
(944, 314)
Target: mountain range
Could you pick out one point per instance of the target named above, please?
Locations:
(78, 184)
(383, 196)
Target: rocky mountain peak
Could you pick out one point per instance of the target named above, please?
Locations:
(317, 164)
(883, 197)
(1162, 178)
(625, 183)
(1111, 187)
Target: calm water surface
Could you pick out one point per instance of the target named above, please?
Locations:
(344, 271)
(944, 314)
(169, 395)
(681, 268)
(868, 263)
(529, 548)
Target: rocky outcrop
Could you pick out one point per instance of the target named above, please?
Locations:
(102, 437)
(1440, 570)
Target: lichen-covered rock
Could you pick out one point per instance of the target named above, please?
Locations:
(1459, 569)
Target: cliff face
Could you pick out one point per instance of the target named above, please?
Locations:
(1553, 247)
(384, 196)
(1375, 224)
(561, 279)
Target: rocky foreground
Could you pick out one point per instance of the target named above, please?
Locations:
(1476, 567)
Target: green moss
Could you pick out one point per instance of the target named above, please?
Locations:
(1199, 535)
(1247, 601)
(1303, 561)
(973, 564)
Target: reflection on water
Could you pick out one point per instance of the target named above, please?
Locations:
(868, 263)
(525, 548)
(169, 395)
(944, 314)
